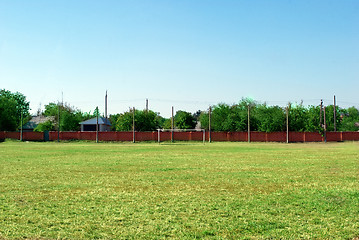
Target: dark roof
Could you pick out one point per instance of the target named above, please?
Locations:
(36, 120)
(92, 121)
(29, 125)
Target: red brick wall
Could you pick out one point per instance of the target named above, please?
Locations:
(350, 136)
(32, 136)
(296, 137)
(258, 137)
(12, 135)
(334, 136)
(277, 137)
(313, 137)
(219, 136)
(188, 136)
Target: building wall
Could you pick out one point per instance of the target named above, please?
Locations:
(92, 127)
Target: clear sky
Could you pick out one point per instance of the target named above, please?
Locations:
(187, 54)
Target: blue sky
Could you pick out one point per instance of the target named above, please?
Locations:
(187, 54)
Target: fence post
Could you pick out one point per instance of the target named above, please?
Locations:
(209, 124)
(325, 127)
(133, 125)
(335, 116)
(96, 124)
(249, 125)
(21, 126)
(172, 126)
(159, 136)
(288, 123)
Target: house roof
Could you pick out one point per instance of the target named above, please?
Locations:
(101, 121)
(36, 120)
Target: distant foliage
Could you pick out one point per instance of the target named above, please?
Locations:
(349, 119)
(184, 120)
(45, 126)
(144, 121)
(70, 117)
(224, 117)
(265, 118)
(11, 107)
(269, 118)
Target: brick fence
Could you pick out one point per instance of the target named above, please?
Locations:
(188, 136)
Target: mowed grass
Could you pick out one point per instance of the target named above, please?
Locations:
(181, 191)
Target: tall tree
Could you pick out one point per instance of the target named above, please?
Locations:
(70, 117)
(12, 106)
(184, 120)
(144, 121)
(350, 119)
(297, 117)
(269, 118)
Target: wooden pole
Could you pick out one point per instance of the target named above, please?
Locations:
(97, 124)
(335, 116)
(204, 136)
(209, 124)
(172, 125)
(106, 106)
(146, 105)
(249, 125)
(133, 125)
(287, 114)
(21, 126)
(325, 127)
(58, 124)
(320, 114)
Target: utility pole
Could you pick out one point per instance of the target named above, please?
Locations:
(133, 125)
(146, 105)
(325, 127)
(249, 124)
(209, 124)
(287, 114)
(97, 124)
(335, 116)
(58, 123)
(321, 110)
(106, 106)
(172, 125)
(21, 125)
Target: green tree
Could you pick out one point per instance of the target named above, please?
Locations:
(70, 117)
(12, 105)
(350, 117)
(329, 115)
(297, 117)
(219, 118)
(166, 124)
(184, 120)
(144, 121)
(45, 126)
(229, 118)
(269, 118)
(147, 120)
(204, 120)
(312, 119)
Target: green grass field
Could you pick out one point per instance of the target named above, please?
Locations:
(184, 190)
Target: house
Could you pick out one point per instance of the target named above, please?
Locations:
(90, 125)
(35, 120)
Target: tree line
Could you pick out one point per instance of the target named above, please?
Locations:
(264, 118)
(14, 112)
